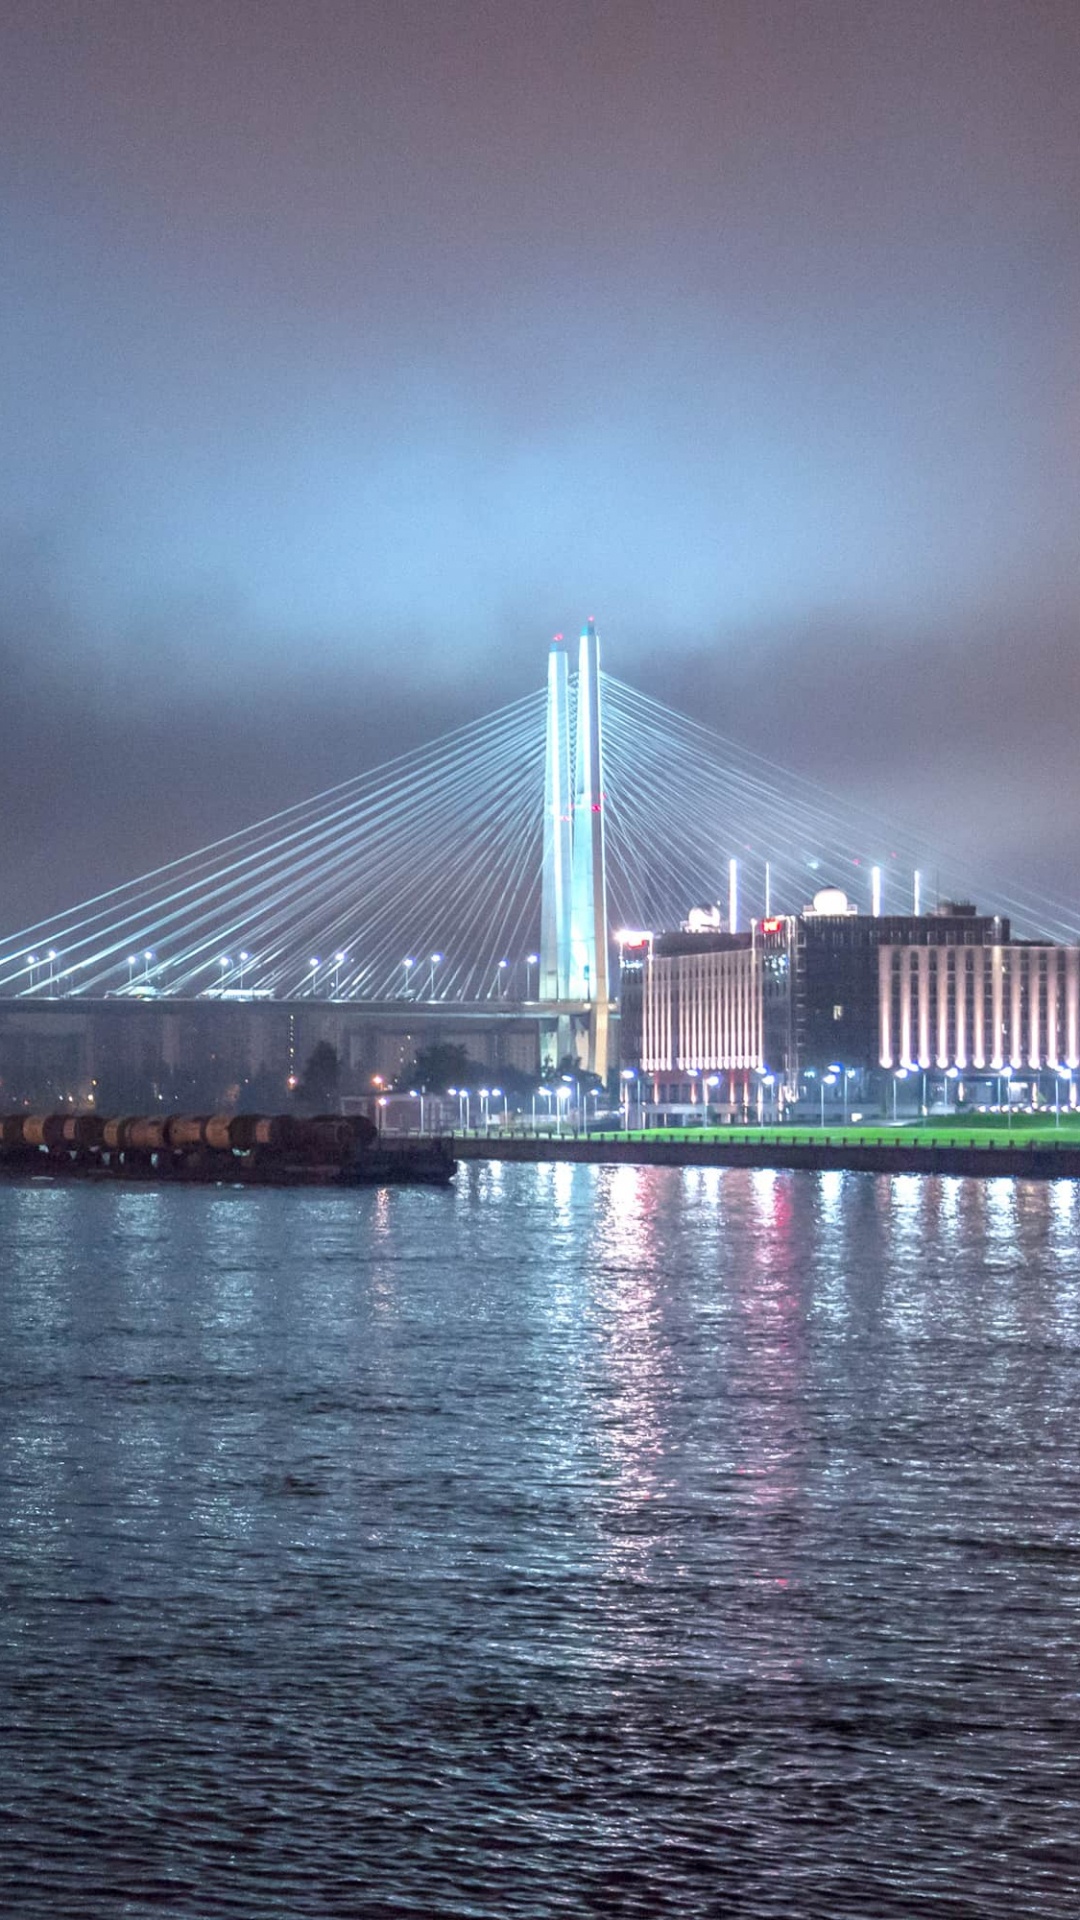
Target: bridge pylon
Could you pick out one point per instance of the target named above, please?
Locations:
(574, 950)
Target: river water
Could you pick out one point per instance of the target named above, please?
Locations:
(636, 1541)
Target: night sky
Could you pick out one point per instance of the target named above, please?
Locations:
(349, 350)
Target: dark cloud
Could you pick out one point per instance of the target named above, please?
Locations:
(350, 350)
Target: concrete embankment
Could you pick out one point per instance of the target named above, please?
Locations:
(1033, 1162)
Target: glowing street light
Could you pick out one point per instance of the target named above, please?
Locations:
(339, 962)
(1060, 1074)
(500, 978)
(827, 1080)
(408, 966)
(532, 961)
(900, 1074)
(435, 959)
(244, 958)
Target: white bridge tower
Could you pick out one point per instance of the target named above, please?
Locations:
(574, 942)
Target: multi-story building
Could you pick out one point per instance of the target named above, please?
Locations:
(983, 1008)
(833, 991)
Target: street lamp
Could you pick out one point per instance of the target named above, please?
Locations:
(244, 958)
(408, 966)
(313, 968)
(339, 962)
(500, 979)
(434, 958)
(1060, 1074)
(1006, 1075)
(532, 961)
(147, 957)
(827, 1080)
(626, 1077)
(900, 1074)
(951, 1073)
(562, 1092)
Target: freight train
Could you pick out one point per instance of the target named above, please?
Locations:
(241, 1146)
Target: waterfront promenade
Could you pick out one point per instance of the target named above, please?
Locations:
(1040, 1151)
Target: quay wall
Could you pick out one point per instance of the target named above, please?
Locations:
(1032, 1162)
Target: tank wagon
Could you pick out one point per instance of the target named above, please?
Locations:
(268, 1148)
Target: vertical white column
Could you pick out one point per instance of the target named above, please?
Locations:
(556, 874)
(924, 1006)
(588, 901)
(978, 1050)
(885, 976)
(916, 893)
(997, 1007)
(963, 988)
(906, 968)
(1053, 1025)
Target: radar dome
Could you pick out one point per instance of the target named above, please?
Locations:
(831, 900)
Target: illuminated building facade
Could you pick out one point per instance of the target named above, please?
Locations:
(979, 1008)
(831, 989)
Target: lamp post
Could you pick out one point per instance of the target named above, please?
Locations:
(147, 957)
(769, 1080)
(244, 958)
(484, 1095)
(339, 962)
(500, 979)
(407, 967)
(561, 1093)
(1006, 1075)
(434, 958)
(131, 968)
(625, 1078)
(313, 968)
(708, 1080)
(900, 1074)
(827, 1080)
(532, 961)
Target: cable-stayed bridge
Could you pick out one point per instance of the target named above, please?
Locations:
(492, 869)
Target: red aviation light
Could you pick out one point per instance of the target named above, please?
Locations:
(771, 926)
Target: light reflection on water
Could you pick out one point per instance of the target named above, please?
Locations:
(585, 1540)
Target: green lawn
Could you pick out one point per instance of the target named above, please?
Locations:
(1026, 1130)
